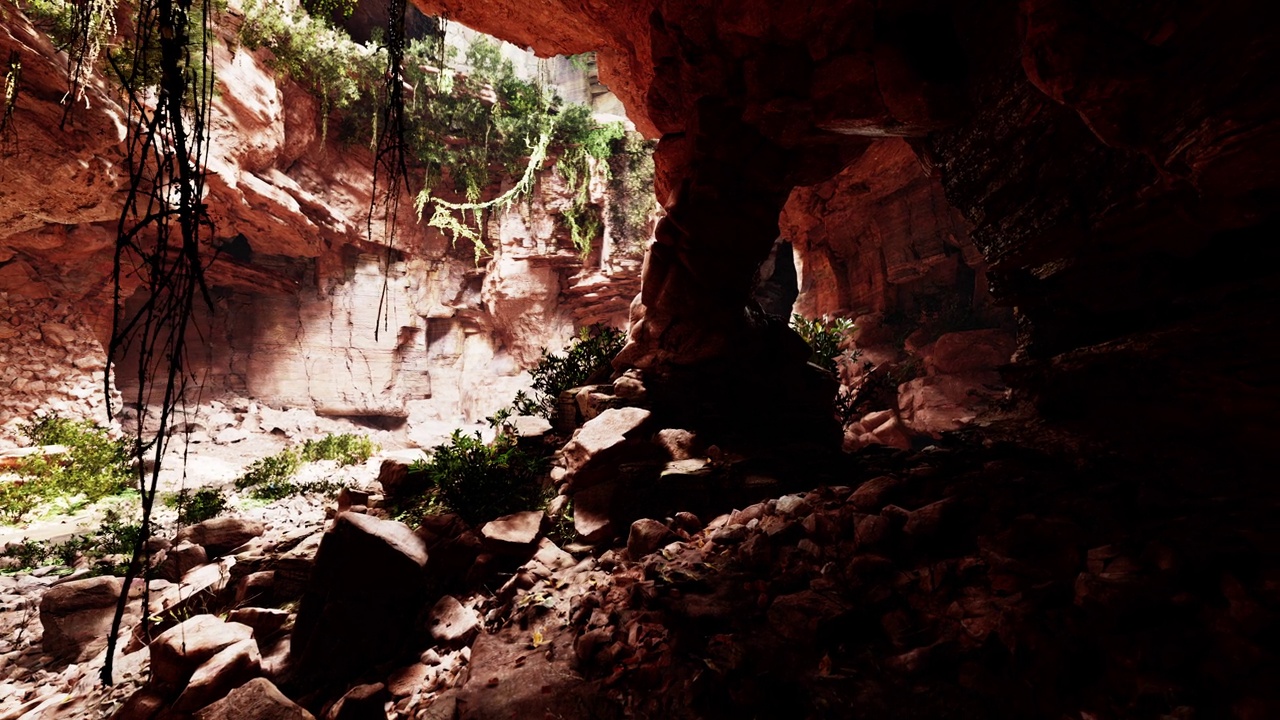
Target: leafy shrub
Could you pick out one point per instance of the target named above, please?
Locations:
(481, 481)
(269, 475)
(94, 466)
(321, 58)
(588, 355)
(824, 337)
(346, 448)
(196, 507)
(116, 536)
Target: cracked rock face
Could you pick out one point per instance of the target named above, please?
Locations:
(298, 286)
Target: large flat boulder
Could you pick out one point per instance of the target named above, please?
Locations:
(362, 600)
(221, 535)
(230, 668)
(969, 351)
(614, 436)
(77, 616)
(183, 648)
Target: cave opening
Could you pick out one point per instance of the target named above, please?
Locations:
(984, 435)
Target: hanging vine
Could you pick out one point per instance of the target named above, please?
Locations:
(158, 245)
(389, 158)
(9, 95)
(92, 23)
(450, 217)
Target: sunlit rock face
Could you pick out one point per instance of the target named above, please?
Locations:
(877, 234)
(310, 309)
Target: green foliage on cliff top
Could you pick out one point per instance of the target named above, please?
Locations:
(469, 127)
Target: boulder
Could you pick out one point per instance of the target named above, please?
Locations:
(591, 512)
(528, 427)
(940, 403)
(230, 668)
(552, 557)
(183, 648)
(181, 558)
(452, 623)
(221, 535)
(256, 588)
(646, 536)
(76, 616)
(407, 680)
(970, 351)
(517, 530)
(266, 622)
(612, 437)
(892, 433)
(144, 704)
(362, 702)
(362, 600)
(678, 444)
(257, 699)
(798, 617)
(874, 493)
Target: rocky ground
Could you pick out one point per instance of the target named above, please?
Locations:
(972, 577)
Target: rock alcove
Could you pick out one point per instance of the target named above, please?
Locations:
(1052, 222)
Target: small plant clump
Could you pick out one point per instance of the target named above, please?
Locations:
(94, 466)
(107, 548)
(198, 506)
(346, 448)
(479, 481)
(271, 477)
(824, 337)
(590, 354)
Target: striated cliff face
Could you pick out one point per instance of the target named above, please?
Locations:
(298, 284)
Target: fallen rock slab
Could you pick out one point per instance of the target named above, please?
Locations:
(452, 623)
(77, 615)
(221, 535)
(257, 699)
(230, 668)
(517, 530)
(361, 602)
(183, 648)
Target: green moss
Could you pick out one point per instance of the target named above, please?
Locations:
(631, 189)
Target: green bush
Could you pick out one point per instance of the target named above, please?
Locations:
(116, 536)
(480, 481)
(824, 337)
(346, 448)
(343, 74)
(268, 477)
(271, 477)
(94, 466)
(196, 507)
(589, 355)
